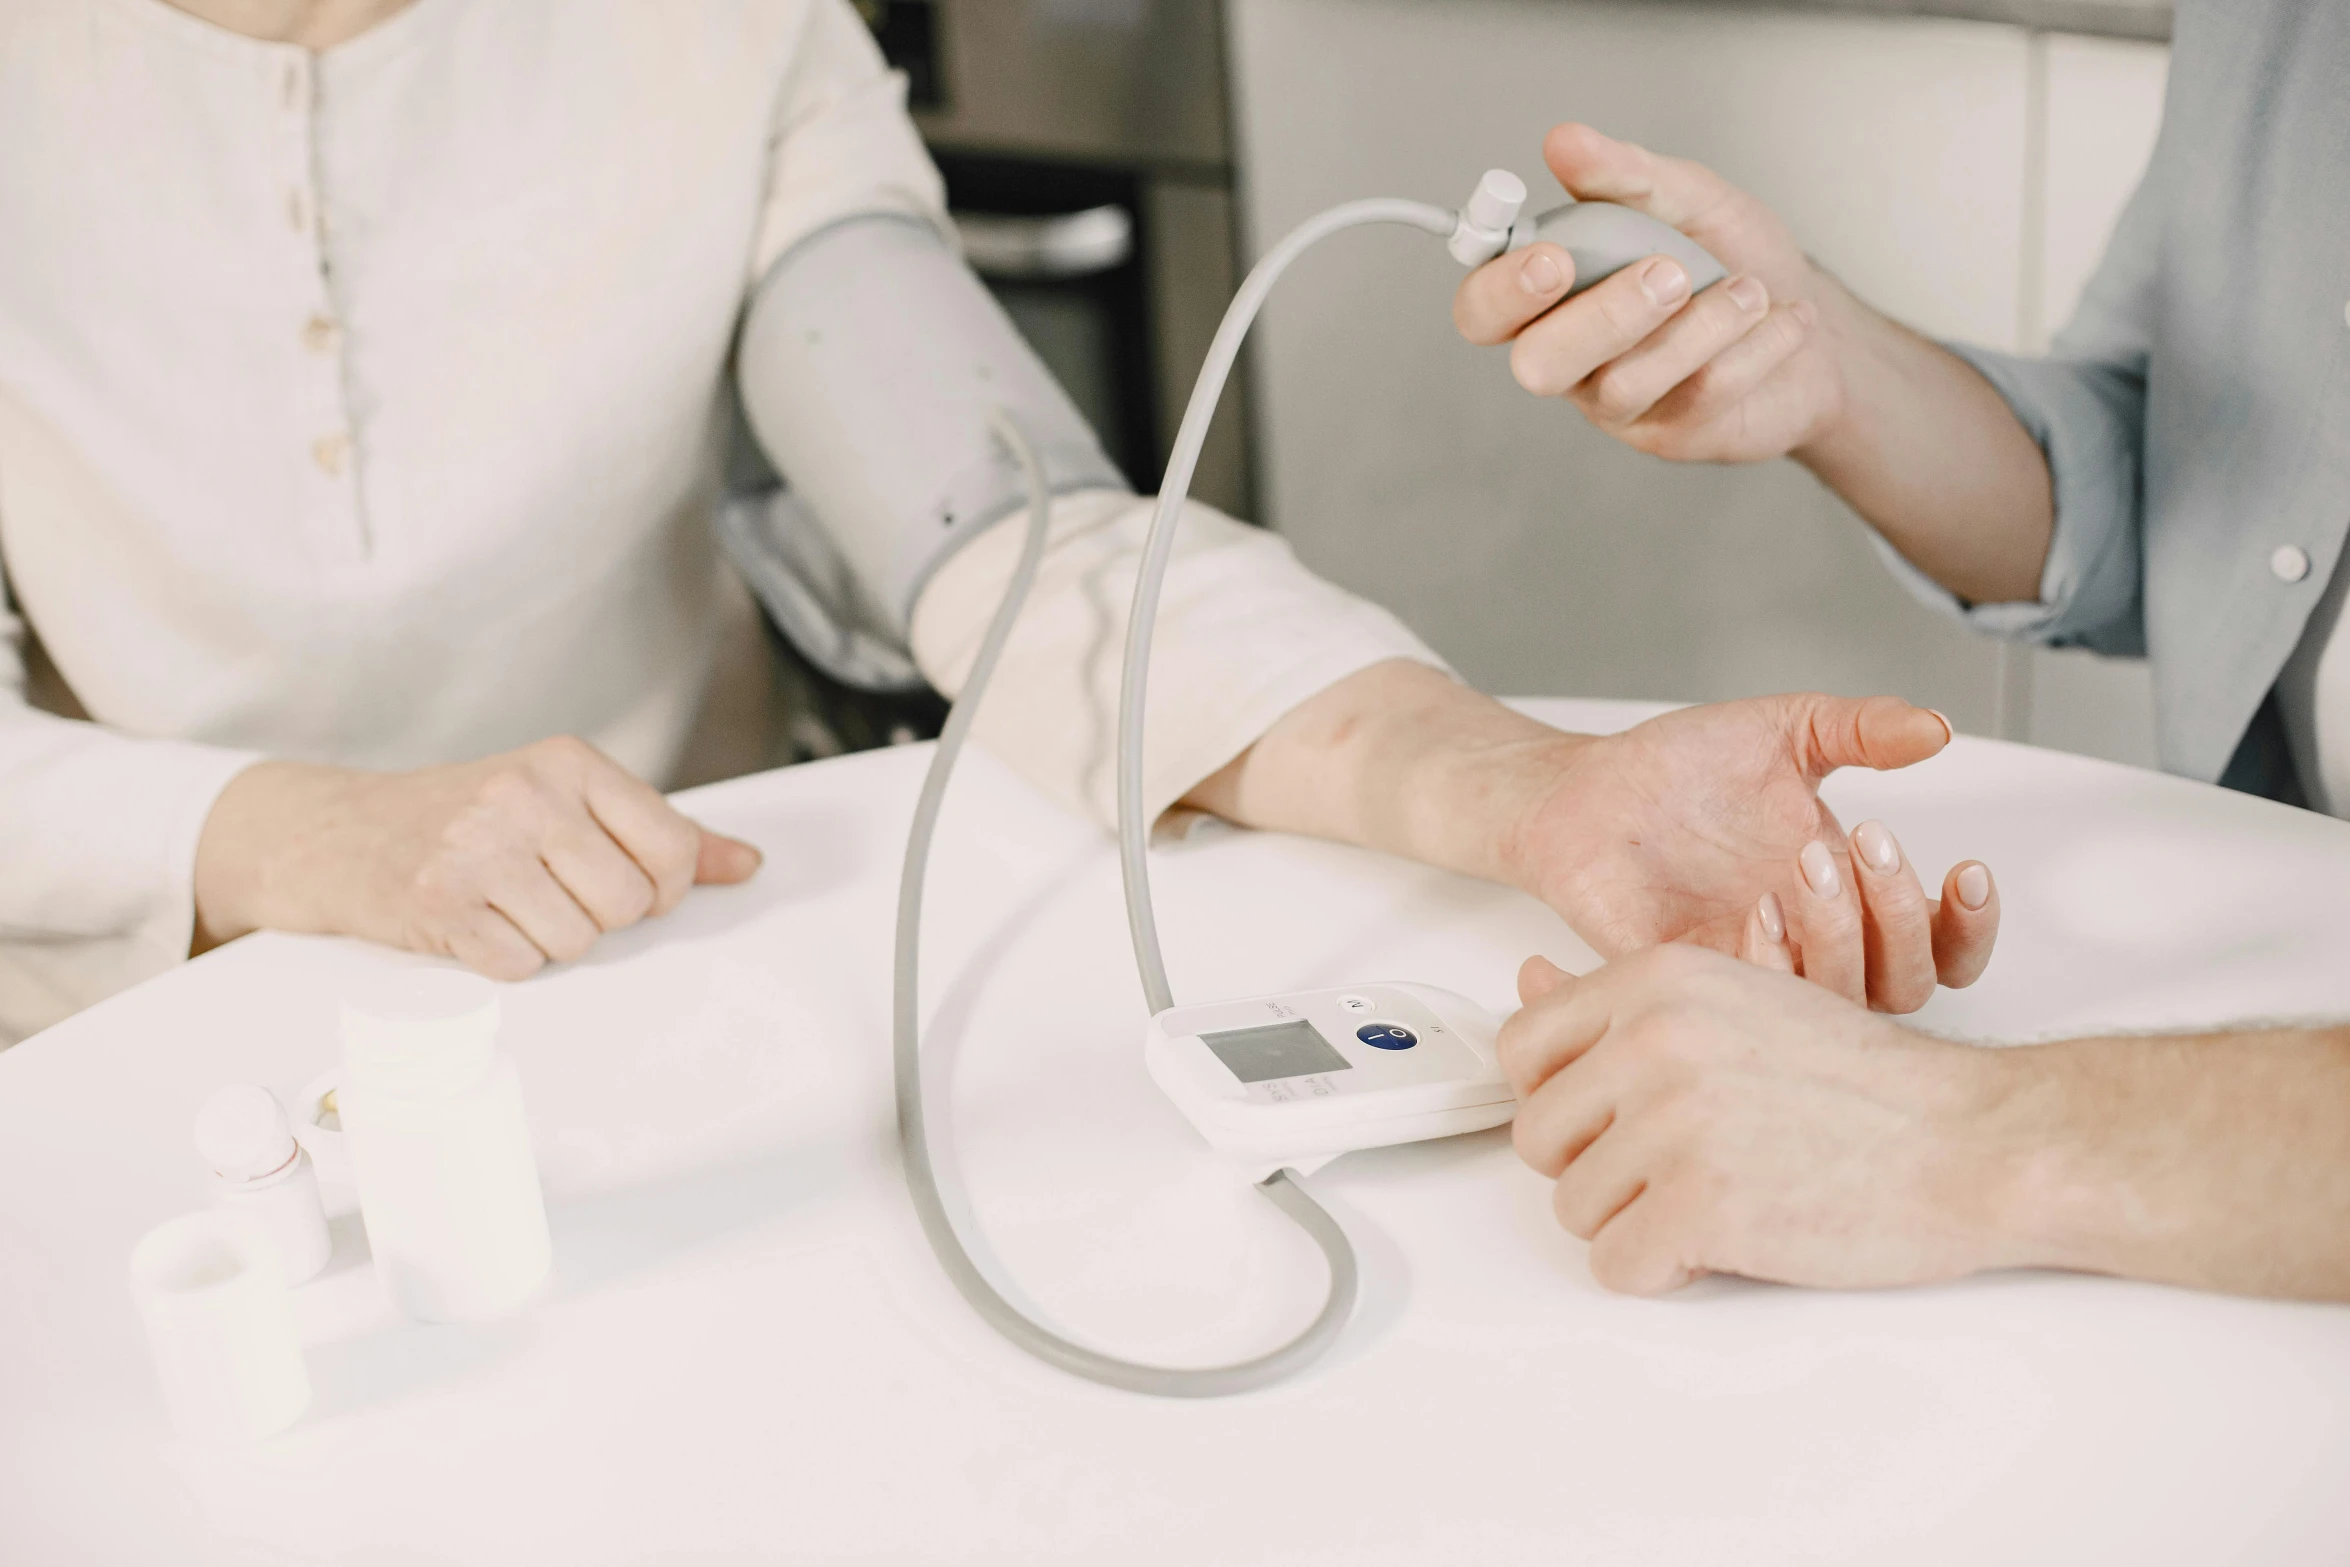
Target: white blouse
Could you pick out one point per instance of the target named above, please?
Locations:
(367, 408)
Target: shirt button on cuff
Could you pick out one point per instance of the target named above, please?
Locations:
(2289, 563)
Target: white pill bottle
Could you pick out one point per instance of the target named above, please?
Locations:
(432, 1118)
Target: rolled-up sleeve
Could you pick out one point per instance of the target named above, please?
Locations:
(2085, 404)
(1245, 634)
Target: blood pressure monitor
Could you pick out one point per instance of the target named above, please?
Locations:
(1296, 1080)
(1280, 1084)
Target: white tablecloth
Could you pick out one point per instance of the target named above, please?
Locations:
(749, 1355)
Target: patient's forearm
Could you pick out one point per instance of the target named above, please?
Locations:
(1403, 758)
(2220, 1161)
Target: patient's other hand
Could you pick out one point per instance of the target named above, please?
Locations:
(1705, 825)
(504, 864)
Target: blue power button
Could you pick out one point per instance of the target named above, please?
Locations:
(1387, 1036)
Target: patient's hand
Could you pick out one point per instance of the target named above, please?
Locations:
(504, 864)
(1703, 825)
(1676, 829)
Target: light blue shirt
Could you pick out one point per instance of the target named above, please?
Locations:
(2196, 410)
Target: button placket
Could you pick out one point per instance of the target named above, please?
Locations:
(332, 518)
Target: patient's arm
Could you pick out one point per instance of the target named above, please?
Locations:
(1673, 831)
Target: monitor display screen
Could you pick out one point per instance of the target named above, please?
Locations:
(1259, 1055)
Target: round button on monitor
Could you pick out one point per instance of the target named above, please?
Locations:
(1387, 1036)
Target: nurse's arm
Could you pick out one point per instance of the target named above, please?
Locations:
(1701, 1116)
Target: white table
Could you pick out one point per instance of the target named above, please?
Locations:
(750, 1356)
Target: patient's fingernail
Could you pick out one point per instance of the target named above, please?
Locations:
(1974, 886)
(1664, 281)
(1949, 729)
(1748, 293)
(1774, 922)
(1876, 846)
(1540, 274)
(1819, 869)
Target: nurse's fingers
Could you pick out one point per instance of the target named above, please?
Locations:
(1646, 1248)
(1967, 924)
(1632, 383)
(1738, 371)
(1553, 356)
(1763, 942)
(1897, 924)
(1603, 1177)
(1597, 167)
(1494, 303)
(1828, 925)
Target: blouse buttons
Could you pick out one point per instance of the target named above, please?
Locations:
(330, 452)
(320, 334)
(2290, 563)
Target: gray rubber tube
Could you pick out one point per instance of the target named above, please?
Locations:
(1281, 1187)
(1174, 489)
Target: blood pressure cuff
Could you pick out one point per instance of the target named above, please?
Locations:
(867, 365)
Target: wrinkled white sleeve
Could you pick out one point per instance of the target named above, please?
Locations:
(1245, 634)
(843, 146)
(98, 836)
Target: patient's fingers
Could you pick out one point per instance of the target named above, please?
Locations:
(1763, 943)
(1897, 924)
(1966, 924)
(1828, 924)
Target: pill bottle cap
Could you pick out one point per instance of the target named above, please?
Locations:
(243, 1135)
(420, 1033)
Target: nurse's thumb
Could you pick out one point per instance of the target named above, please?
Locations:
(724, 860)
(1538, 977)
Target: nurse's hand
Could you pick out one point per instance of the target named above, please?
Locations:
(1705, 826)
(1703, 1116)
(505, 864)
(1748, 370)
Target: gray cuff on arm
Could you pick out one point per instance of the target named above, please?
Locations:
(868, 364)
(2089, 419)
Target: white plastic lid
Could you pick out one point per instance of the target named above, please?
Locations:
(242, 1133)
(420, 1033)
(1499, 197)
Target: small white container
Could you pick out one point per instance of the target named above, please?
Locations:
(259, 1169)
(432, 1118)
(211, 1294)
